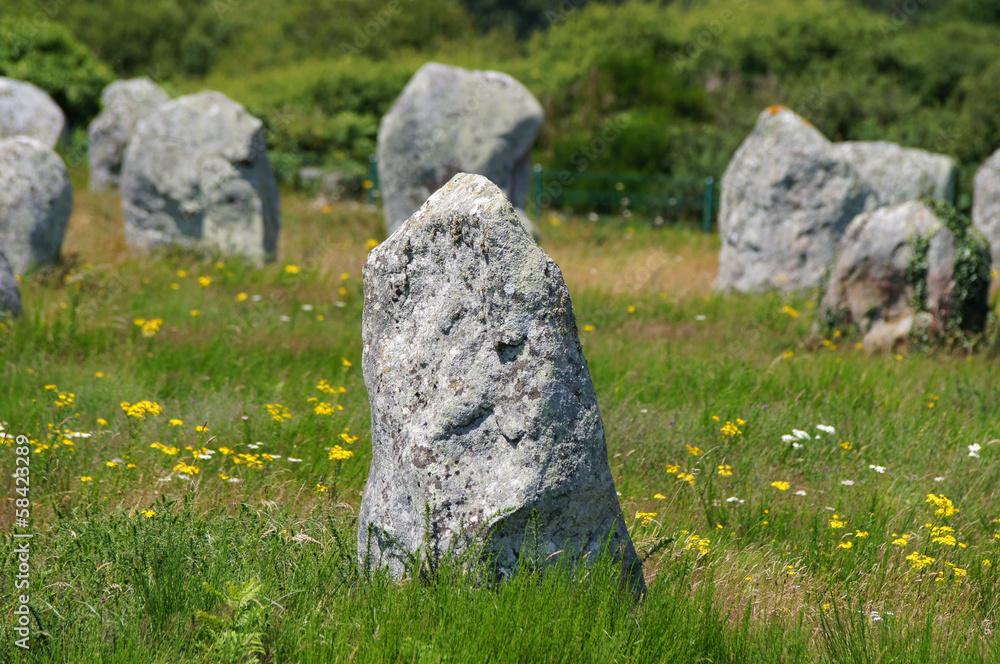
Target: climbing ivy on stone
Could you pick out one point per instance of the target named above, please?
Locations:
(971, 268)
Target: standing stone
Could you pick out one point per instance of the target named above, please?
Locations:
(450, 120)
(196, 174)
(986, 203)
(483, 410)
(787, 197)
(35, 202)
(10, 291)
(899, 174)
(906, 270)
(125, 103)
(26, 110)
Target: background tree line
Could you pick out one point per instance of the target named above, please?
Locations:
(686, 78)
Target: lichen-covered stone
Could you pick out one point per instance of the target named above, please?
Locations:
(986, 203)
(125, 103)
(904, 271)
(449, 120)
(10, 291)
(899, 174)
(196, 174)
(482, 406)
(35, 202)
(26, 110)
(787, 197)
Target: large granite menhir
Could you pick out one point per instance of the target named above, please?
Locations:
(449, 120)
(483, 410)
(787, 197)
(35, 203)
(196, 174)
(903, 272)
(10, 291)
(986, 203)
(125, 103)
(27, 110)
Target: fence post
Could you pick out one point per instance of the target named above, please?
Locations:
(372, 177)
(706, 224)
(536, 177)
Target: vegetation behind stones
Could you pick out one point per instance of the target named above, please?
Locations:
(688, 79)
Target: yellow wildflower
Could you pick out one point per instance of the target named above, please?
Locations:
(730, 429)
(725, 471)
(780, 486)
(182, 467)
(945, 506)
(278, 412)
(338, 453)
(919, 561)
(163, 448)
(140, 410)
(324, 408)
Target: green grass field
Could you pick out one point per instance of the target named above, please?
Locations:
(216, 523)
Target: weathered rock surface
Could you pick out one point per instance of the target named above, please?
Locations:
(196, 174)
(450, 120)
(35, 202)
(899, 174)
(10, 291)
(26, 110)
(902, 271)
(125, 103)
(787, 197)
(483, 409)
(986, 203)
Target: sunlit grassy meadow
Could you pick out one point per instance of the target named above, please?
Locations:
(798, 500)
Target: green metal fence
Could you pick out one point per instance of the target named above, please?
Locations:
(674, 198)
(610, 193)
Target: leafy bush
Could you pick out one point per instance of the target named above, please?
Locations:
(157, 38)
(46, 54)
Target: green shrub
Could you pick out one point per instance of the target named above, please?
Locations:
(46, 54)
(157, 38)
